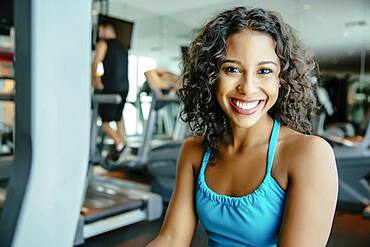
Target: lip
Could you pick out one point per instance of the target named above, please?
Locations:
(245, 111)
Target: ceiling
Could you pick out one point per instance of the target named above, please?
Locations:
(337, 30)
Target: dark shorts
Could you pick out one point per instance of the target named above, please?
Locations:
(112, 112)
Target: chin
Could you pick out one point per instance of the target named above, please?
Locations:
(245, 122)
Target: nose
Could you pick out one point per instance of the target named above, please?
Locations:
(247, 84)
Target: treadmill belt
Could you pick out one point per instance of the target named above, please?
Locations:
(99, 205)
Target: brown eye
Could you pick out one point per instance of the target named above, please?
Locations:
(231, 69)
(264, 71)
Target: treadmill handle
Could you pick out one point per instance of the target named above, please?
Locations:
(106, 98)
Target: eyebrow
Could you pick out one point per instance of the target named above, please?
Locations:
(231, 61)
(239, 63)
(267, 62)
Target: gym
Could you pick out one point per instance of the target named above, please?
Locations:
(92, 118)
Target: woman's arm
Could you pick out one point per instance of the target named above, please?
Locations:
(312, 194)
(181, 219)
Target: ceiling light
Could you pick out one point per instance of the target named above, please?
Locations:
(306, 7)
(355, 23)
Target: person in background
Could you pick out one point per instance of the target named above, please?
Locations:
(162, 81)
(114, 58)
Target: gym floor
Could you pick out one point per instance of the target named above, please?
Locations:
(349, 229)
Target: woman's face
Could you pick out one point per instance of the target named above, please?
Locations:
(248, 83)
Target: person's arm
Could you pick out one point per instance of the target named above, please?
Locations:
(181, 220)
(312, 194)
(159, 79)
(100, 52)
(154, 81)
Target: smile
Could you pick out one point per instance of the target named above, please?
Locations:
(245, 107)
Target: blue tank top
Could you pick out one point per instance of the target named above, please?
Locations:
(250, 220)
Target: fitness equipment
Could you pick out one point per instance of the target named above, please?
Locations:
(156, 159)
(165, 123)
(6, 159)
(340, 130)
(353, 158)
(112, 203)
(353, 164)
(45, 190)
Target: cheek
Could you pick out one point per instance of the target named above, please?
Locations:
(224, 85)
(273, 92)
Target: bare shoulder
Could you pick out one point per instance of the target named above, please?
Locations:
(307, 153)
(100, 50)
(312, 189)
(101, 44)
(193, 150)
(307, 146)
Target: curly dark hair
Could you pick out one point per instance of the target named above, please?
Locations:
(296, 99)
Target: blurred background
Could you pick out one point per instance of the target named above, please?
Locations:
(157, 35)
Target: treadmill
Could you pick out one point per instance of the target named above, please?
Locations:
(155, 159)
(353, 163)
(112, 203)
(352, 158)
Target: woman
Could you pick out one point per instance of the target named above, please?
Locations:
(252, 176)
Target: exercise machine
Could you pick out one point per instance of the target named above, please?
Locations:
(352, 158)
(155, 159)
(112, 203)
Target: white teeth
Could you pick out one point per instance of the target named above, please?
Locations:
(246, 106)
(252, 105)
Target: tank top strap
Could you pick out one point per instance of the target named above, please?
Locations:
(205, 162)
(272, 145)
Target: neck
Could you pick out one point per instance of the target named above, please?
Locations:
(257, 134)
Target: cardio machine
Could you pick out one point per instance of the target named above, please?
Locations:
(155, 158)
(112, 203)
(352, 158)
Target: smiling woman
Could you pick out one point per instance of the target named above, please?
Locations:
(296, 99)
(248, 82)
(251, 175)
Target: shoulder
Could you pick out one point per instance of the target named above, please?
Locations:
(311, 190)
(194, 141)
(101, 44)
(160, 70)
(193, 151)
(308, 147)
(307, 154)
